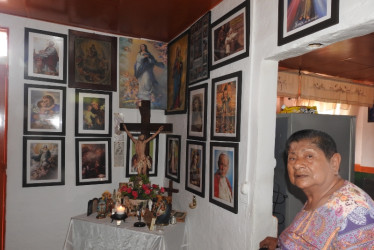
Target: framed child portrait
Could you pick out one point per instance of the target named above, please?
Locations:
(131, 157)
(195, 167)
(226, 107)
(45, 56)
(44, 110)
(197, 112)
(173, 151)
(223, 178)
(43, 161)
(93, 161)
(93, 113)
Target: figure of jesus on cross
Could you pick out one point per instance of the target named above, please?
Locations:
(142, 161)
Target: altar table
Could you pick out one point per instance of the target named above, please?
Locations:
(87, 232)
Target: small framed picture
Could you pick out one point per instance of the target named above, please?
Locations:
(93, 113)
(131, 158)
(45, 56)
(43, 161)
(173, 151)
(297, 19)
(199, 52)
(93, 161)
(226, 107)
(44, 110)
(197, 112)
(195, 167)
(177, 75)
(223, 177)
(230, 36)
(92, 61)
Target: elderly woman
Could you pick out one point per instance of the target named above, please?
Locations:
(337, 214)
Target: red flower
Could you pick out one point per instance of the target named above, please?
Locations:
(135, 194)
(147, 191)
(129, 190)
(154, 186)
(162, 190)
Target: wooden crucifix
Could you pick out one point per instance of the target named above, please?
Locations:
(145, 128)
(170, 190)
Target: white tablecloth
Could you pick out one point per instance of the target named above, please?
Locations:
(87, 232)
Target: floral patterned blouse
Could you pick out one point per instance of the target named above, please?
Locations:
(346, 221)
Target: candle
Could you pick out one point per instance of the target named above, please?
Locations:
(120, 210)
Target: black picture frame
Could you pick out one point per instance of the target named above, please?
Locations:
(45, 56)
(230, 149)
(172, 157)
(43, 161)
(199, 50)
(177, 79)
(195, 170)
(371, 114)
(44, 110)
(226, 107)
(197, 112)
(96, 169)
(153, 149)
(93, 113)
(230, 36)
(92, 61)
(320, 18)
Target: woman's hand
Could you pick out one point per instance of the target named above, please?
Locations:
(269, 243)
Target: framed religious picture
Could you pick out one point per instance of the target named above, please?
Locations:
(132, 160)
(223, 178)
(297, 19)
(173, 152)
(93, 161)
(44, 110)
(197, 112)
(43, 161)
(199, 52)
(177, 75)
(230, 36)
(195, 167)
(142, 72)
(45, 56)
(226, 107)
(93, 113)
(92, 61)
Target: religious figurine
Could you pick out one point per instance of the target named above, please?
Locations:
(163, 213)
(141, 161)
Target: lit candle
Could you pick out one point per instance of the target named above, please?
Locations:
(120, 210)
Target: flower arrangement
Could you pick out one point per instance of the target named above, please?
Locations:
(142, 188)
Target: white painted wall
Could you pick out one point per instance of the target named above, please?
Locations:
(37, 218)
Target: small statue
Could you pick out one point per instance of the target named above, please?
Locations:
(163, 213)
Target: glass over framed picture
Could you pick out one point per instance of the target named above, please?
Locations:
(43, 161)
(45, 56)
(195, 167)
(173, 157)
(197, 112)
(93, 113)
(223, 178)
(93, 161)
(226, 107)
(44, 110)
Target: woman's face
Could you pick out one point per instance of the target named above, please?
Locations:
(142, 47)
(308, 166)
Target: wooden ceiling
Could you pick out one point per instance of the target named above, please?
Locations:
(160, 20)
(350, 59)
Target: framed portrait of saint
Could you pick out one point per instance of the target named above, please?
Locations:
(92, 61)
(223, 178)
(197, 112)
(93, 113)
(226, 107)
(195, 167)
(173, 157)
(43, 161)
(93, 161)
(45, 56)
(177, 75)
(44, 110)
(230, 36)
